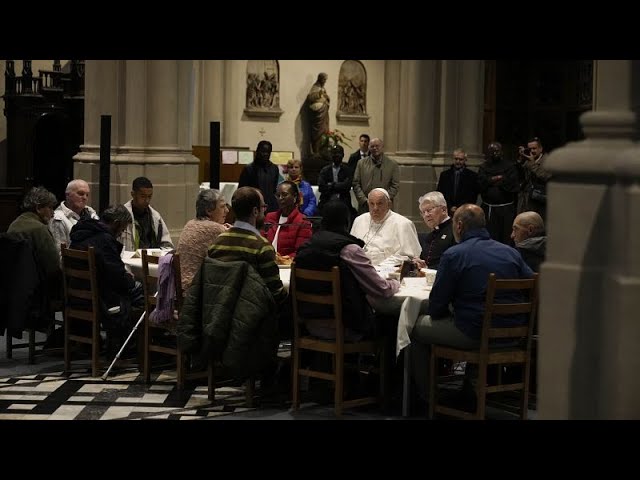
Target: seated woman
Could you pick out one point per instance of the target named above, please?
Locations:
(198, 234)
(308, 199)
(287, 228)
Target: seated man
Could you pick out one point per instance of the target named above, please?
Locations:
(461, 282)
(241, 243)
(72, 209)
(433, 209)
(147, 228)
(333, 246)
(38, 206)
(384, 232)
(117, 286)
(529, 238)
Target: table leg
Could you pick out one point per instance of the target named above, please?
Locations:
(406, 383)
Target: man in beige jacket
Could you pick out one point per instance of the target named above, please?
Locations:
(375, 171)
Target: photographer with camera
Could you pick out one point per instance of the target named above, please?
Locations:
(533, 191)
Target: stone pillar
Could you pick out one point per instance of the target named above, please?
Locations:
(411, 119)
(431, 107)
(151, 108)
(210, 97)
(590, 283)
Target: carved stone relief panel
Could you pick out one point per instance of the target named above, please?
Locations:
(352, 92)
(263, 89)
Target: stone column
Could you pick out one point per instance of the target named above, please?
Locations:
(151, 103)
(411, 119)
(431, 107)
(590, 283)
(210, 97)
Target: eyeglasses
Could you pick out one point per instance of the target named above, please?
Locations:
(264, 206)
(282, 195)
(429, 210)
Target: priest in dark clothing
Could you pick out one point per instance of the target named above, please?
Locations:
(433, 209)
(458, 184)
(499, 186)
(262, 174)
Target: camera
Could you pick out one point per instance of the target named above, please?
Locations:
(525, 150)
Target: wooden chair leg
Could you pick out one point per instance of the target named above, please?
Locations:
(146, 338)
(67, 347)
(95, 350)
(181, 361)
(481, 392)
(339, 383)
(524, 401)
(433, 382)
(32, 346)
(211, 384)
(250, 391)
(9, 341)
(295, 381)
(385, 391)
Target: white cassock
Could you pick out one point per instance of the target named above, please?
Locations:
(394, 235)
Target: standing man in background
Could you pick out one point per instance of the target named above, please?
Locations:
(458, 184)
(375, 171)
(70, 211)
(262, 174)
(147, 229)
(533, 194)
(498, 182)
(359, 154)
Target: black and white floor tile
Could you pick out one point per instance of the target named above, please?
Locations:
(124, 396)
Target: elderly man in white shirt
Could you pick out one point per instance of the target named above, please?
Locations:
(70, 211)
(384, 232)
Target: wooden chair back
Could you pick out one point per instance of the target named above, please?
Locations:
(81, 303)
(499, 346)
(337, 347)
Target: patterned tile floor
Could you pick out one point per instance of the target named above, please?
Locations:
(44, 392)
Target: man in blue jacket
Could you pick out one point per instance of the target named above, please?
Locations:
(461, 282)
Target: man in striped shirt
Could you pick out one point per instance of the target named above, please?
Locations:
(244, 242)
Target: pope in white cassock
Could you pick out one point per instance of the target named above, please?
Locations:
(384, 232)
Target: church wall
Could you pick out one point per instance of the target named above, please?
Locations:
(296, 78)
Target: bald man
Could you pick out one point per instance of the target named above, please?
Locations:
(384, 232)
(460, 286)
(529, 237)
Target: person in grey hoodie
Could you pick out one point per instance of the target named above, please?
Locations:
(529, 237)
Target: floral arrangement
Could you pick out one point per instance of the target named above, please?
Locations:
(334, 137)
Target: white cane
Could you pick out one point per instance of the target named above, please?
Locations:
(135, 327)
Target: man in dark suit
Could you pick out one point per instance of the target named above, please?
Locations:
(334, 182)
(362, 152)
(458, 184)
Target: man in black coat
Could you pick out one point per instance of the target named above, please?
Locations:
(433, 209)
(262, 174)
(529, 238)
(362, 152)
(334, 182)
(458, 184)
(117, 286)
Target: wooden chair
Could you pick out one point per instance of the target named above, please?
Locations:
(16, 247)
(516, 349)
(81, 303)
(337, 348)
(150, 286)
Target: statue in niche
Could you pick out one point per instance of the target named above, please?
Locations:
(263, 88)
(318, 106)
(352, 87)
